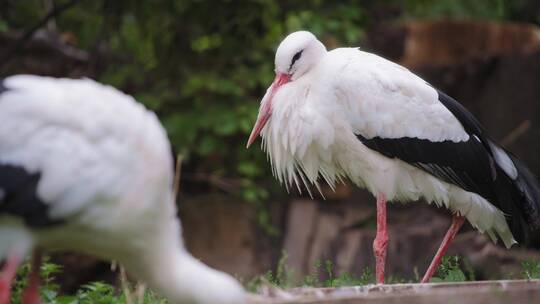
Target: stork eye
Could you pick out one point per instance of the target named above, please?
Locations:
(296, 57)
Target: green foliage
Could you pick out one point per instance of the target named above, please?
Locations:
(204, 74)
(347, 279)
(319, 276)
(469, 270)
(205, 79)
(3, 26)
(323, 275)
(531, 270)
(282, 278)
(449, 271)
(312, 279)
(97, 292)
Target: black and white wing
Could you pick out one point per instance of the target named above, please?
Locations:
(403, 117)
(71, 150)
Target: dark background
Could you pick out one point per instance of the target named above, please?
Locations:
(203, 67)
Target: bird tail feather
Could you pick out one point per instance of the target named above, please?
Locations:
(529, 189)
(518, 193)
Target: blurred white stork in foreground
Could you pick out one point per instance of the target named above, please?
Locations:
(348, 113)
(84, 167)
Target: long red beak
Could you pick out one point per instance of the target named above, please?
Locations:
(265, 110)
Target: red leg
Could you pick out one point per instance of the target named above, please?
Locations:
(31, 293)
(381, 240)
(6, 278)
(457, 222)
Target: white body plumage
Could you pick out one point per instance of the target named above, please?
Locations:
(105, 179)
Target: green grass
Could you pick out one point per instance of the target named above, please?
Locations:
(531, 270)
(93, 293)
(324, 275)
(283, 277)
(449, 271)
(321, 275)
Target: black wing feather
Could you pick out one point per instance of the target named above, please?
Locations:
(471, 166)
(465, 164)
(19, 197)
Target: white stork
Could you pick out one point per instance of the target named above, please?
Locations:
(349, 113)
(84, 167)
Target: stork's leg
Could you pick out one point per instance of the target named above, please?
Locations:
(31, 293)
(381, 240)
(7, 276)
(457, 222)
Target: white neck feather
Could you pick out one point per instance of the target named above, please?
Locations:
(299, 137)
(172, 272)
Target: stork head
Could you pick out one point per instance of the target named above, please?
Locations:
(295, 56)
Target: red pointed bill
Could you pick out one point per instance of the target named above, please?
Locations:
(266, 107)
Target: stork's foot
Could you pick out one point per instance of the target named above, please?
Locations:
(381, 240)
(31, 293)
(9, 271)
(457, 222)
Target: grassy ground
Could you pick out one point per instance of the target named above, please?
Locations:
(102, 293)
(449, 271)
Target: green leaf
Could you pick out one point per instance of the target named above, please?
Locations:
(249, 168)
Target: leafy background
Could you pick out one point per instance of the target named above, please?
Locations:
(203, 65)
